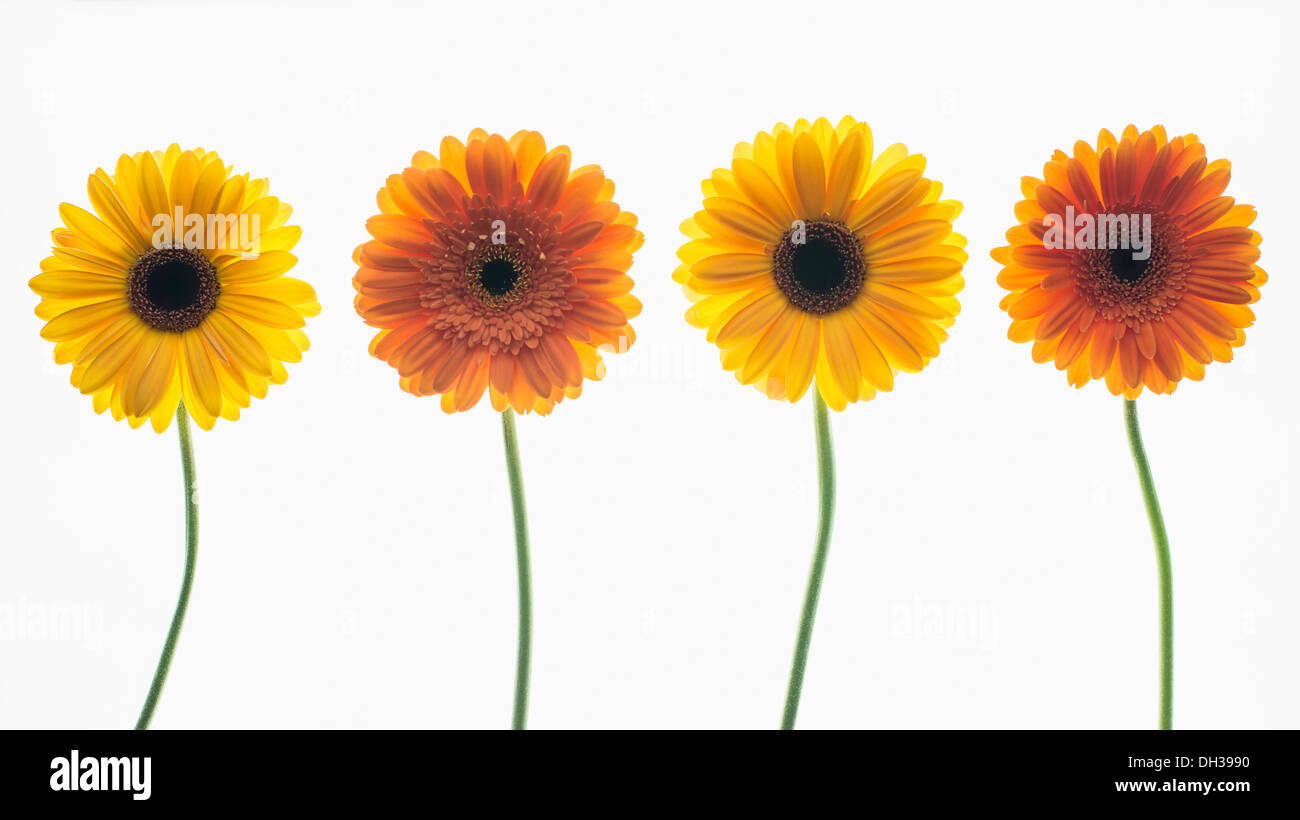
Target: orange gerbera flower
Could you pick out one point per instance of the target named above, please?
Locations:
(1158, 305)
(496, 267)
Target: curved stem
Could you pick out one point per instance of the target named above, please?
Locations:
(1164, 567)
(191, 555)
(522, 664)
(826, 488)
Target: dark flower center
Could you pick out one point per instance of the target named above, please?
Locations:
(819, 267)
(1124, 289)
(1125, 267)
(173, 289)
(498, 275)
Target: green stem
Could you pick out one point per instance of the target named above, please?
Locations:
(826, 487)
(522, 664)
(191, 554)
(1163, 565)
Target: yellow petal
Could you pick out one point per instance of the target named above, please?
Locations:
(238, 345)
(266, 311)
(842, 358)
(199, 376)
(89, 228)
(156, 376)
(803, 357)
(848, 171)
(77, 286)
(109, 364)
(826, 384)
(881, 197)
(284, 289)
(809, 176)
(762, 191)
(771, 344)
(752, 319)
(82, 320)
(744, 220)
(902, 300)
(907, 240)
(916, 270)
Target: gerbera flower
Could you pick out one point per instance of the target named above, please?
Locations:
(496, 266)
(812, 260)
(1130, 265)
(151, 307)
(1138, 317)
(170, 301)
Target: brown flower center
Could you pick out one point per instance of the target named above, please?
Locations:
(819, 266)
(503, 294)
(498, 275)
(172, 289)
(1134, 285)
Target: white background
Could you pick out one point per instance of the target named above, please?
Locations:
(991, 563)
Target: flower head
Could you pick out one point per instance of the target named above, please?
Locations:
(496, 266)
(1129, 264)
(810, 259)
(174, 289)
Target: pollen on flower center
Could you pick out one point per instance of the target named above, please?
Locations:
(498, 275)
(173, 289)
(823, 272)
(1125, 285)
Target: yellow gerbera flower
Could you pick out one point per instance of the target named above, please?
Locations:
(810, 259)
(174, 289)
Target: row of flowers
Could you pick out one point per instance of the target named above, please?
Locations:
(812, 259)
(816, 262)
